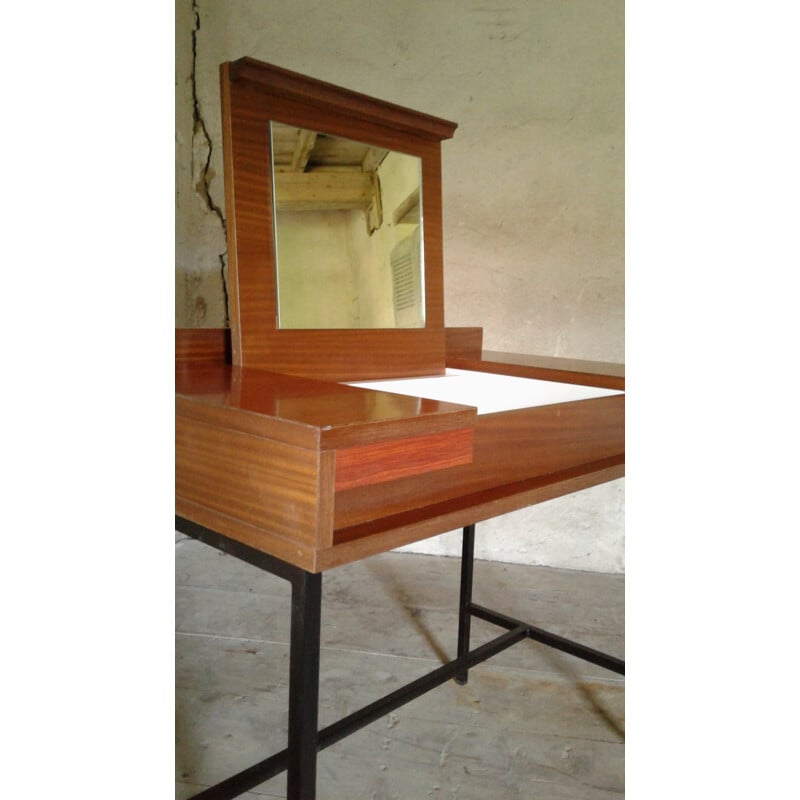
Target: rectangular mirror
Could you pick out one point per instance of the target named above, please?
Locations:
(347, 231)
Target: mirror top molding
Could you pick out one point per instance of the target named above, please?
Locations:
(255, 94)
(300, 88)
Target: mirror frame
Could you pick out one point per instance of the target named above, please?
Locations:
(254, 93)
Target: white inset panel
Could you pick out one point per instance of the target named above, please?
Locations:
(487, 392)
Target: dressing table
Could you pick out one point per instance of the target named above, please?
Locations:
(299, 449)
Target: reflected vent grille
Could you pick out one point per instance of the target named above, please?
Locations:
(403, 282)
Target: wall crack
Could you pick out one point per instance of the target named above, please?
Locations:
(205, 173)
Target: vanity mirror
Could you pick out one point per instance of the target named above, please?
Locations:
(347, 228)
(334, 220)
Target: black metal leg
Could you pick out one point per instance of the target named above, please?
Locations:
(300, 758)
(304, 686)
(465, 600)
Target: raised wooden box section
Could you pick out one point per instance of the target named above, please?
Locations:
(260, 456)
(320, 473)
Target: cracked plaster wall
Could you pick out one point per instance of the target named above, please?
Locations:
(533, 180)
(200, 247)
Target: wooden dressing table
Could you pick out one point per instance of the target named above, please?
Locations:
(281, 461)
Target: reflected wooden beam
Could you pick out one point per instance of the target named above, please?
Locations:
(305, 144)
(373, 159)
(408, 210)
(323, 191)
(374, 214)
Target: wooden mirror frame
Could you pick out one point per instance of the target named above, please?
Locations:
(253, 94)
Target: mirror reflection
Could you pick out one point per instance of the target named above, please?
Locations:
(348, 233)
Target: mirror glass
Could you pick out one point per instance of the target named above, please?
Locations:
(348, 233)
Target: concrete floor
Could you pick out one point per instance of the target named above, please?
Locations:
(531, 723)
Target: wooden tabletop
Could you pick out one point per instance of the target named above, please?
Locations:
(307, 412)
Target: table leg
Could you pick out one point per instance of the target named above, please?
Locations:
(304, 686)
(300, 757)
(465, 599)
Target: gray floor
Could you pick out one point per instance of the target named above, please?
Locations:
(531, 723)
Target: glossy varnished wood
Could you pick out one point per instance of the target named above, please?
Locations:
(252, 308)
(373, 469)
(394, 530)
(193, 345)
(349, 355)
(509, 447)
(254, 93)
(368, 464)
(564, 370)
(306, 412)
(463, 342)
(332, 99)
(259, 455)
(463, 348)
(274, 487)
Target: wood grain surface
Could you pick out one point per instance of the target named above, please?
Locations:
(273, 486)
(509, 447)
(195, 345)
(463, 342)
(365, 465)
(564, 370)
(253, 94)
(308, 413)
(387, 532)
(321, 473)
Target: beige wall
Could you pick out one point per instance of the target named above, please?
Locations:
(315, 264)
(533, 182)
